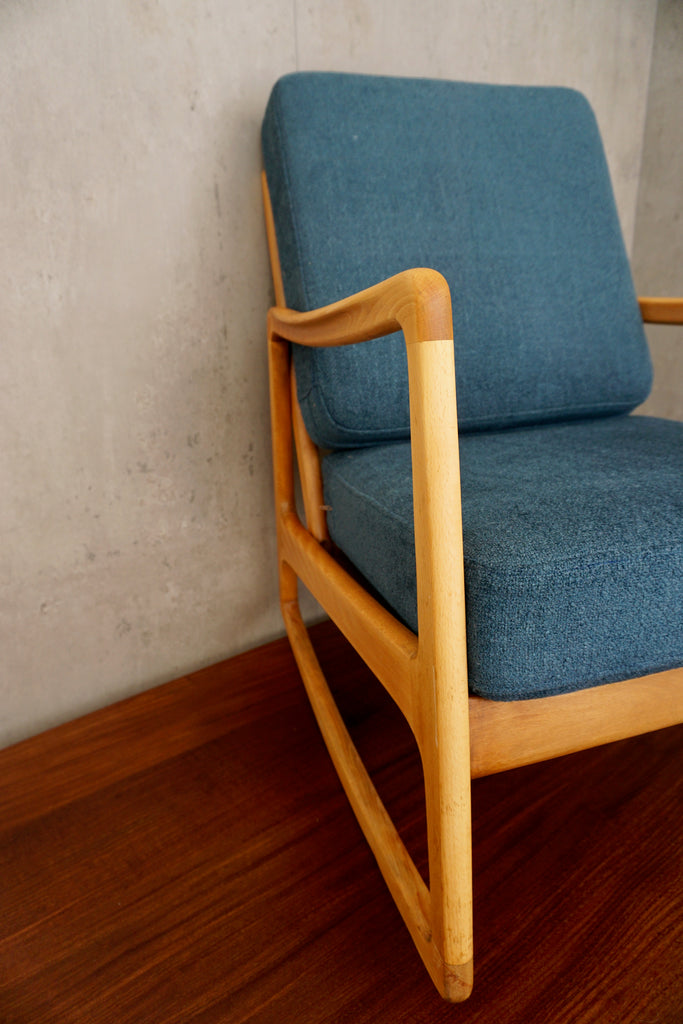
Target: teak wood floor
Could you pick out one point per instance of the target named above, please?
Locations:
(188, 856)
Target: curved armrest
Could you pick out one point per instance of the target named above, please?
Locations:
(418, 301)
(661, 310)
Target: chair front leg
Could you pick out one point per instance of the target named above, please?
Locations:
(441, 663)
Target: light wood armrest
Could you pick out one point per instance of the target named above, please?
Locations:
(661, 310)
(426, 675)
(417, 301)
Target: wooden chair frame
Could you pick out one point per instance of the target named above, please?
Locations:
(459, 736)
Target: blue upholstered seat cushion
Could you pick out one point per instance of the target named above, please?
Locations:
(505, 191)
(573, 540)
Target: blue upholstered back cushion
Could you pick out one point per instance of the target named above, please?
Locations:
(573, 543)
(506, 192)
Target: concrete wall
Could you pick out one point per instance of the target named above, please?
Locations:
(135, 522)
(658, 244)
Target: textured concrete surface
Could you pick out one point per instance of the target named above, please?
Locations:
(658, 244)
(136, 533)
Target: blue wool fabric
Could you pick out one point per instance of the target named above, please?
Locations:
(572, 510)
(505, 191)
(573, 543)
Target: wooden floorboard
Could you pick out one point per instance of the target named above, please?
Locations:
(188, 856)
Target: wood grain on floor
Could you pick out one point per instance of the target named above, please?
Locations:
(188, 856)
